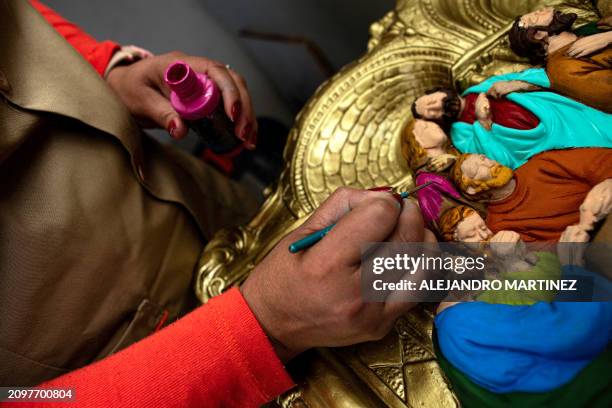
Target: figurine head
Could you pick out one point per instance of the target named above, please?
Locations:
(420, 135)
(477, 176)
(463, 224)
(440, 105)
(529, 33)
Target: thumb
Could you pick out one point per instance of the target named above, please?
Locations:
(410, 226)
(158, 110)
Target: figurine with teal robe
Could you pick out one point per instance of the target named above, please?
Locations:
(512, 129)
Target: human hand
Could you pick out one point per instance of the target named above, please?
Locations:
(570, 250)
(588, 45)
(483, 111)
(142, 89)
(441, 162)
(596, 205)
(313, 298)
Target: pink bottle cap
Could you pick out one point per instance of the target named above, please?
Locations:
(194, 95)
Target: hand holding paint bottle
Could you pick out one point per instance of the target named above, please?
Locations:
(197, 99)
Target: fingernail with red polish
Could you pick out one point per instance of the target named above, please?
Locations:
(384, 188)
(172, 128)
(387, 189)
(235, 111)
(246, 131)
(253, 142)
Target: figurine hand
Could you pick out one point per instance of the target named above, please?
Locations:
(483, 111)
(571, 245)
(505, 243)
(313, 298)
(503, 88)
(441, 162)
(142, 89)
(596, 205)
(588, 45)
(605, 22)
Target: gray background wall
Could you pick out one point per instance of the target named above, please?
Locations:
(280, 76)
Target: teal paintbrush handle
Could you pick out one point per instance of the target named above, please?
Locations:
(309, 240)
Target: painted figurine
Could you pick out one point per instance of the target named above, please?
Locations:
(514, 128)
(426, 146)
(541, 199)
(579, 68)
(464, 224)
(509, 342)
(440, 196)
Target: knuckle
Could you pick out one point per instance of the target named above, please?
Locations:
(175, 54)
(343, 193)
(229, 90)
(240, 80)
(354, 313)
(166, 116)
(383, 205)
(350, 311)
(233, 90)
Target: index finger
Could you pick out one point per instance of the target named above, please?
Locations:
(373, 219)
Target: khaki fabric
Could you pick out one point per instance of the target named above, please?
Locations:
(100, 226)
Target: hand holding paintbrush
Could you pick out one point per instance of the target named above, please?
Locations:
(316, 236)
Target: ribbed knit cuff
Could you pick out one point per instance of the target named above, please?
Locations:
(250, 346)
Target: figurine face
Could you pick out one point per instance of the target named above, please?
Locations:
(482, 179)
(478, 167)
(472, 229)
(431, 107)
(538, 18)
(548, 21)
(429, 134)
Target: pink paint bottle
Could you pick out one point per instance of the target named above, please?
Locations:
(198, 100)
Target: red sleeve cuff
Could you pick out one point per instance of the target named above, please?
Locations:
(97, 53)
(249, 345)
(218, 355)
(101, 54)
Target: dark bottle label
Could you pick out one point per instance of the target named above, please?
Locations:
(217, 132)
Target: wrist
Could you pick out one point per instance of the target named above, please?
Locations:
(113, 78)
(270, 323)
(126, 55)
